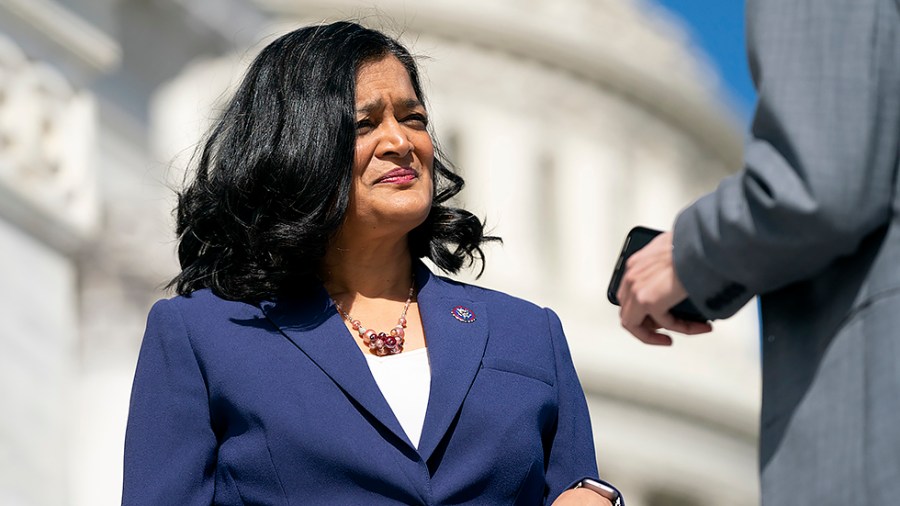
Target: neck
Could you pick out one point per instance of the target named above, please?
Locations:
(381, 269)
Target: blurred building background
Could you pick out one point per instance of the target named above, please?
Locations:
(571, 120)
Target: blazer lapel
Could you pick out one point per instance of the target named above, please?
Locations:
(316, 328)
(455, 350)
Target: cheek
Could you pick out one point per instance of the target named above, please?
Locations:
(427, 178)
(361, 158)
(357, 201)
(425, 154)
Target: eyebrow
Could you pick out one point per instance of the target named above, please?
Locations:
(367, 108)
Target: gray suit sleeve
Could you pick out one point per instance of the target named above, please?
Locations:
(821, 160)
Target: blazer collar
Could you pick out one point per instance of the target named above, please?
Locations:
(455, 349)
(315, 327)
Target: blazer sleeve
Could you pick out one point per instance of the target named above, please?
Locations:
(571, 457)
(170, 446)
(821, 160)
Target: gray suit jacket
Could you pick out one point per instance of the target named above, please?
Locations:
(812, 224)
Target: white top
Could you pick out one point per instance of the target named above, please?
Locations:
(404, 380)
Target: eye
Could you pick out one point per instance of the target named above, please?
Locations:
(364, 125)
(417, 120)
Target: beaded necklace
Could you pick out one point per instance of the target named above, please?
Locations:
(381, 343)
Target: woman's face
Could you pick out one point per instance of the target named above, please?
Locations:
(391, 190)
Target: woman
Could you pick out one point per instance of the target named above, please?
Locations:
(311, 358)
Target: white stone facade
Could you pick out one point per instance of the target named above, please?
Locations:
(570, 120)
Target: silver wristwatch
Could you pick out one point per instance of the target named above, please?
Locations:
(602, 489)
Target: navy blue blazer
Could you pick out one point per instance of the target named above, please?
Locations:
(236, 403)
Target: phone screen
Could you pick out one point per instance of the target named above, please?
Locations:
(637, 238)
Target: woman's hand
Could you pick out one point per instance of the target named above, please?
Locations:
(580, 497)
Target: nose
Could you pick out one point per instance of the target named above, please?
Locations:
(393, 140)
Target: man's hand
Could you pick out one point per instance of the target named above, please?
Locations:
(649, 289)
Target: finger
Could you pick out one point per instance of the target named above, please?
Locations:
(631, 314)
(646, 333)
(670, 322)
(625, 283)
(638, 263)
(648, 286)
(655, 338)
(623, 293)
(694, 328)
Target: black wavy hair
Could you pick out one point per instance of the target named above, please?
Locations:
(273, 176)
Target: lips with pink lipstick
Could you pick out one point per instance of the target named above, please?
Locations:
(399, 175)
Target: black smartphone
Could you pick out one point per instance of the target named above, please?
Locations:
(637, 238)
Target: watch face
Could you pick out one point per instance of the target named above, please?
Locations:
(602, 489)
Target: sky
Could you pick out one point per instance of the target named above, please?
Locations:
(717, 27)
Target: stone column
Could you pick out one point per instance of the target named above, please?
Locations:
(48, 209)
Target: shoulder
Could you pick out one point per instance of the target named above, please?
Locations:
(203, 301)
(200, 309)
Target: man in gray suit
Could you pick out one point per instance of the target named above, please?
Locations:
(812, 225)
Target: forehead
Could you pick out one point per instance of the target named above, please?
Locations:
(385, 76)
